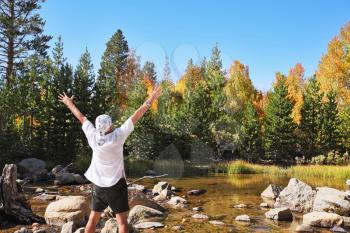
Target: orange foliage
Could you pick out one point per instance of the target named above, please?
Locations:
(150, 84)
(192, 77)
(334, 67)
(295, 85)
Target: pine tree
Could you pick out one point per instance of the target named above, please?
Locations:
(21, 32)
(167, 70)
(149, 70)
(279, 140)
(251, 135)
(330, 122)
(113, 67)
(310, 124)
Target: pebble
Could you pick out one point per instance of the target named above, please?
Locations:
(177, 228)
(243, 218)
(217, 223)
(200, 216)
(197, 208)
(240, 206)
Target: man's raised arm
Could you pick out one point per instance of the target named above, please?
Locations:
(145, 106)
(68, 101)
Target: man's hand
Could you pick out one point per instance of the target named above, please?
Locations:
(155, 94)
(65, 99)
(68, 101)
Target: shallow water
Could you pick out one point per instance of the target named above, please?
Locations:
(222, 193)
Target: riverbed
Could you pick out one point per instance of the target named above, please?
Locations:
(223, 192)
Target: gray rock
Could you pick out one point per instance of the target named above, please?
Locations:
(65, 179)
(242, 218)
(304, 228)
(40, 231)
(148, 225)
(34, 169)
(280, 214)
(164, 194)
(200, 216)
(79, 179)
(45, 197)
(39, 190)
(338, 229)
(57, 169)
(111, 226)
(196, 192)
(217, 223)
(178, 202)
(68, 227)
(160, 186)
(297, 196)
(141, 213)
(137, 197)
(197, 208)
(150, 173)
(270, 194)
(137, 187)
(322, 219)
(331, 200)
(177, 227)
(240, 206)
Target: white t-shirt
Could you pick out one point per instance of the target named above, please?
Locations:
(107, 164)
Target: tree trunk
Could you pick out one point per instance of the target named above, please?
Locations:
(13, 203)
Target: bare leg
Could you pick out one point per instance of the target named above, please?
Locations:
(122, 220)
(93, 220)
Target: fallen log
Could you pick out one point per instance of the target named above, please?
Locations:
(13, 204)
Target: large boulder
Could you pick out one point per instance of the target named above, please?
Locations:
(297, 196)
(331, 200)
(68, 178)
(322, 219)
(72, 208)
(137, 197)
(141, 213)
(160, 186)
(33, 169)
(111, 226)
(164, 194)
(270, 194)
(279, 214)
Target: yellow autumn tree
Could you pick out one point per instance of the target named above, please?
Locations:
(334, 68)
(192, 77)
(239, 88)
(295, 84)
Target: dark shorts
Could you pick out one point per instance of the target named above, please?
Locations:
(116, 197)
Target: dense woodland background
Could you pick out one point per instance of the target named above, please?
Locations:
(211, 113)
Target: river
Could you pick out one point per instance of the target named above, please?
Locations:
(222, 193)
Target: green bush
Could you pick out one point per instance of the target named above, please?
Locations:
(332, 158)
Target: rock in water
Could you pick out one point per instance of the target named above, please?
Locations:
(137, 197)
(270, 194)
(297, 196)
(141, 213)
(13, 203)
(178, 202)
(33, 168)
(72, 208)
(331, 200)
(197, 192)
(242, 218)
(200, 216)
(147, 225)
(158, 188)
(304, 228)
(322, 219)
(280, 214)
